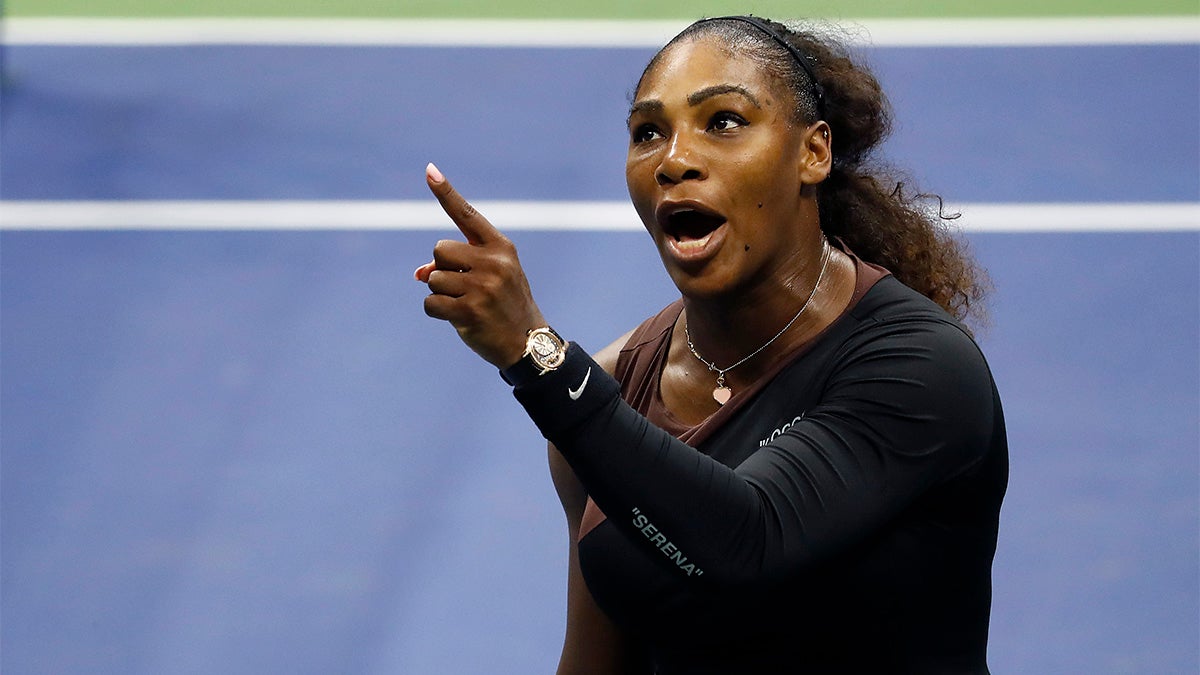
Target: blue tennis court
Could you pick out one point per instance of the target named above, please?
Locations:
(249, 451)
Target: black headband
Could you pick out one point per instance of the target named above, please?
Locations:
(817, 92)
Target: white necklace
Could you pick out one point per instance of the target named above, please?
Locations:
(722, 393)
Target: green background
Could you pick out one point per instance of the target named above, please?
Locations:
(628, 9)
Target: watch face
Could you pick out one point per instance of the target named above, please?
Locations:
(541, 344)
(546, 349)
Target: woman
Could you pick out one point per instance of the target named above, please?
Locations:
(798, 466)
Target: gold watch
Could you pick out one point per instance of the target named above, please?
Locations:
(545, 350)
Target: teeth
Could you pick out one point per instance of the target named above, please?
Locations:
(692, 244)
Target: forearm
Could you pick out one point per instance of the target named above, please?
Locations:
(692, 509)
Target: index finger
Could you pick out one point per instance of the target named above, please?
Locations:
(474, 226)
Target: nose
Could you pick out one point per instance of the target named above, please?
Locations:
(679, 163)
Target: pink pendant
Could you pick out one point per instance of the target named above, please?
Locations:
(721, 395)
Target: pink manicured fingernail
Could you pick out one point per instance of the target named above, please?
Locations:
(433, 173)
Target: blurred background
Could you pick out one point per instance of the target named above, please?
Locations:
(231, 442)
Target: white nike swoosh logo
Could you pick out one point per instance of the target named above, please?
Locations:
(576, 393)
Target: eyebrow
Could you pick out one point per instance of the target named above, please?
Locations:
(698, 97)
(646, 106)
(695, 98)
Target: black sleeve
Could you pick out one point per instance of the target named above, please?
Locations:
(902, 411)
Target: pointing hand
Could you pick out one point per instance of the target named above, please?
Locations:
(478, 284)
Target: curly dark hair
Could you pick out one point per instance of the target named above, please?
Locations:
(863, 202)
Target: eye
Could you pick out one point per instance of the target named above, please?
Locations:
(645, 132)
(726, 121)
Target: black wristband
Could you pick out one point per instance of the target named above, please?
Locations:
(561, 399)
(521, 372)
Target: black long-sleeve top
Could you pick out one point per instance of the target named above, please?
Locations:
(843, 521)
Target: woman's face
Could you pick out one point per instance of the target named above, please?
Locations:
(715, 168)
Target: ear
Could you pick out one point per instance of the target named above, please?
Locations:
(816, 159)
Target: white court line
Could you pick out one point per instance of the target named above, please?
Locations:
(579, 33)
(517, 215)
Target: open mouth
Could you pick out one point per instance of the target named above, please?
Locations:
(690, 224)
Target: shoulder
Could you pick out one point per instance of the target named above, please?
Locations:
(608, 356)
(891, 311)
(907, 381)
(890, 299)
(619, 356)
(900, 342)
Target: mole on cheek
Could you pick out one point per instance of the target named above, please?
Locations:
(747, 247)
(760, 205)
